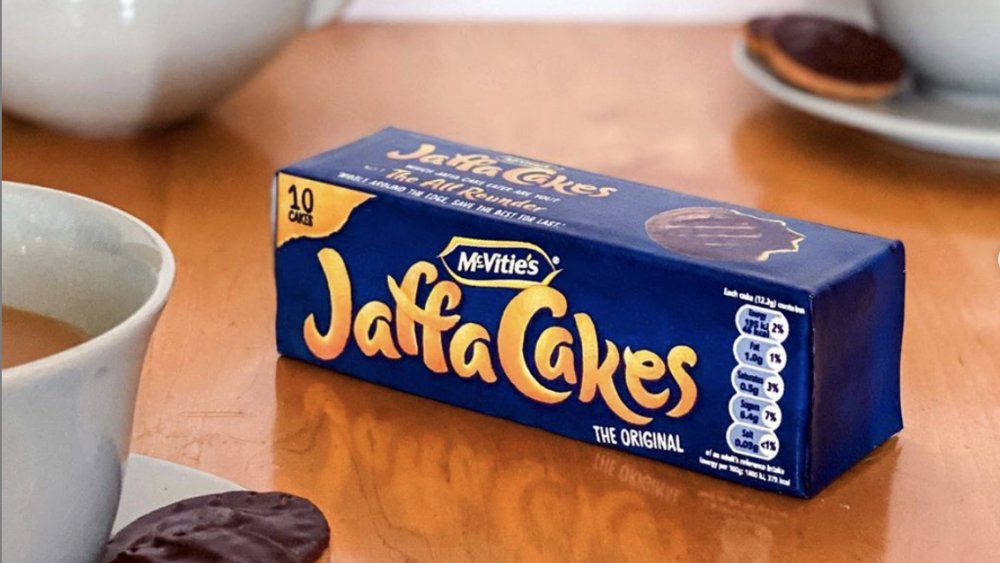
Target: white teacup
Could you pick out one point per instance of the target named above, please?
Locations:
(953, 45)
(112, 67)
(67, 418)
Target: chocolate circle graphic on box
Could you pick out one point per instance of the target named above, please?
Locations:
(719, 233)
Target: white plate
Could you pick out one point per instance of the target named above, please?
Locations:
(970, 128)
(151, 483)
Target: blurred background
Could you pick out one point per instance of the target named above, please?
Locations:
(583, 10)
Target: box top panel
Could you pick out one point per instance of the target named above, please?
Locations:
(694, 231)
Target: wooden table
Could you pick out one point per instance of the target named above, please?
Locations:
(402, 478)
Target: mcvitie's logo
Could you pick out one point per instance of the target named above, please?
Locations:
(495, 263)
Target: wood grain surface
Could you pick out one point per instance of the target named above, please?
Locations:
(402, 478)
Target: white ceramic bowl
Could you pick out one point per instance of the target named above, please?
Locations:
(953, 45)
(67, 418)
(112, 67)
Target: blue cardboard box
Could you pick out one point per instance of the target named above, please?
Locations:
(750, 347)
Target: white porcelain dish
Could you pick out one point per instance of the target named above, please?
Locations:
(115, 67)
(151, 483)
(968, 127)
(951, 45)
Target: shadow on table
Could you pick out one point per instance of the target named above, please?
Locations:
(402, 476)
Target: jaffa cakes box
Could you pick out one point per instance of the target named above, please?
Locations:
(750, 347)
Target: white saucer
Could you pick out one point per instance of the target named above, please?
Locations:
(930, 123)
(151, 483)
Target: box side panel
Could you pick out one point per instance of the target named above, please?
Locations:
(647, 356)
(858, 326)
(664, 224)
